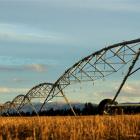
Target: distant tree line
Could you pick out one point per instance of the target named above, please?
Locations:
(88, 109)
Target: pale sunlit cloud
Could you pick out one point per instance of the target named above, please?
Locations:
(129, 93)
(37, 67)
(22, 33)
(31, 67)
(132, 90)
(13, 90)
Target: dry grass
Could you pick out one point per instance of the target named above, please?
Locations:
(70, 128)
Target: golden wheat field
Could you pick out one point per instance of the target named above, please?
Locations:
(123, 127)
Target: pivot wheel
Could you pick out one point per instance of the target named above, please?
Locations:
(105, 108)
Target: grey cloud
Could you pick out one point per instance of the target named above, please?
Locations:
(10, 68)
(110, 5)
(31, 67)
(22, 33)
(17, 80)
(18, 61)
(37, 67)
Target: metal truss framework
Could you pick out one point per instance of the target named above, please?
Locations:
(5, 108)
(16, 103)
(96, 66)
(39, 91)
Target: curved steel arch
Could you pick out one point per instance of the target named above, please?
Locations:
(1, 109)
(6, 107)
(16, 102)
(39, 91)
(96, 66)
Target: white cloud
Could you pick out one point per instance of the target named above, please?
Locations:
(29, 67)
(8, 63)
(129, 93)
(22, 33)
(27, 37)
(13, 90)
(132, 90)
(37, 67)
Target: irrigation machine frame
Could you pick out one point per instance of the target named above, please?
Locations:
(97, 65)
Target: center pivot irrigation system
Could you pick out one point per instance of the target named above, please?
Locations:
(97, 65)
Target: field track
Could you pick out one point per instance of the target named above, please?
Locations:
(71, 128)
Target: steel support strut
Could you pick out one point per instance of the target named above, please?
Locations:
(67, 101)
(127, 75)
(34, 109)
(134, 71)
(97, 65)
(16, 110)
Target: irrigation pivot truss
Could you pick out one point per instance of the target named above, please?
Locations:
(38, 92)
(96, 66)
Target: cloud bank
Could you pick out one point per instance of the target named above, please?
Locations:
(22, 33)
(31, 67)
(36, 67)
(6, 90)
(130, 92)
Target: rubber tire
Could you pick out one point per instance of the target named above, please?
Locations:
(102, 104)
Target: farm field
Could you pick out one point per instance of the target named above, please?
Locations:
(71, 128)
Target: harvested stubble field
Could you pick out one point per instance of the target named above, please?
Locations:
(123, 127)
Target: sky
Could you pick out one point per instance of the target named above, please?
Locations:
(40, 39)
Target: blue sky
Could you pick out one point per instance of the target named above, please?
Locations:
(39, 39)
